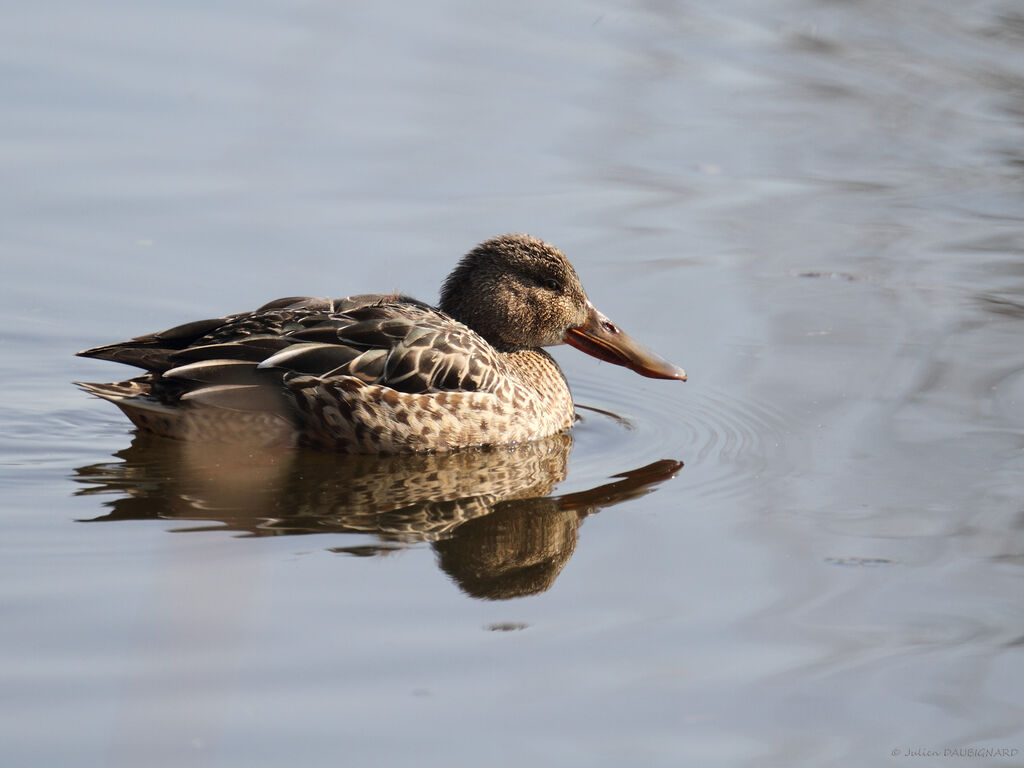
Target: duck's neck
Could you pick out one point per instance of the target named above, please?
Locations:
(539, 371)
(475, 321)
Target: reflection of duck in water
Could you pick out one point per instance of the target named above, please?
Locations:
(487, 512)
(382, 373)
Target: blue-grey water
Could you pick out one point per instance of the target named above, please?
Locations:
(811, 554)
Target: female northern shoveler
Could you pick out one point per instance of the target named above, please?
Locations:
(382, 373)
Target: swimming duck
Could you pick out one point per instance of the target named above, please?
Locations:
(382, 373)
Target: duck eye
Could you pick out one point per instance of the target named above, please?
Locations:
(552, 285)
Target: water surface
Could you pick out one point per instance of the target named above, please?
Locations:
(809, 554)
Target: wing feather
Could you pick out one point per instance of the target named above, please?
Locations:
(388, 340)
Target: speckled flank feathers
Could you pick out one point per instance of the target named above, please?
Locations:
(530, 400)
(375, 373)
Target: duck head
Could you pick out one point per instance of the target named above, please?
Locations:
(519, 292)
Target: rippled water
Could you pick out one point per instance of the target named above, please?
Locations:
(809, 554)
